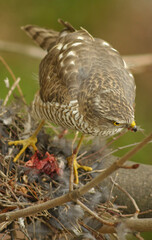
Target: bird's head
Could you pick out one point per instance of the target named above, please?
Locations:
(111, 112)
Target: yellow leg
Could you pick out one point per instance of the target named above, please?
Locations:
(72, 160)
(31, 141)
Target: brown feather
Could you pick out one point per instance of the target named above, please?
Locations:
(84, 82)
(45, 38)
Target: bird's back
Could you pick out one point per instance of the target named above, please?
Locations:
(79, 67)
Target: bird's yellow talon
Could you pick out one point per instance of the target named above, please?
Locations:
(85, 168)
(31, 141)
(76, 166)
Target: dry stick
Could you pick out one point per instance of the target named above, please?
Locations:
(25, 49)
(129, 196)
(71, 178)
(3, 175)
(94, 232)
(138, 236)
(13, 76)
(120, 148)
(104, 147)
(135, 63)
(138, 62)
(94, 214)
(11, 90)
(74, 140)
(132, 224)
(74, 195)
(13, 194)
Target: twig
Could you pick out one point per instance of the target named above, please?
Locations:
(50, 126)
(120, 148)
(129, 196)
(136, 63)
(94, 214)
(13, 194)
(71, 178)
(133, 224)
(94, 232)
(104, 147)
(139, 62)
(23, 228)
(74, 195)
(25, 49)
(3, 175)
(11, 90)
(74, 140)
(138, 236)
(56, 219)
(110, 195)
(4, 225)
(13, 76)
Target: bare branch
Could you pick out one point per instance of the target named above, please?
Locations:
(13, 76)
(136, 63)
(28, 50)
(130, 197)
(11, 90)
(94, 214)
(132, 224)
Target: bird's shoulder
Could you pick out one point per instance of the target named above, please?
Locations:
(78, 62)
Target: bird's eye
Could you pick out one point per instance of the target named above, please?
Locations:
(116, 123)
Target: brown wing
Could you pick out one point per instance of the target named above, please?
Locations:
(65, 66)
(80, 67)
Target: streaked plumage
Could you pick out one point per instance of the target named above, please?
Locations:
(84, 83)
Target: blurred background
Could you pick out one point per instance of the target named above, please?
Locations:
(127, 25)
(124, 24)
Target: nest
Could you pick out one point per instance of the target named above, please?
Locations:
(44, 175)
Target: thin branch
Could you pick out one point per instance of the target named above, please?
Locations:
(94, 214)
(136, 63)
(112, 187)
(104, 147)
(25, 49)
(13, 76)
(3, 175)
(138, 236)
(13, 194)
(139, 62)
(132, 224)
(11, 90)
(129, 196)
(120, 148)
(23, 228)
(74, 195)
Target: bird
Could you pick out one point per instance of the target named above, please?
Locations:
(85, 84)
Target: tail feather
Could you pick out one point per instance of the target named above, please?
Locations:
(45, 38)
(68, 26)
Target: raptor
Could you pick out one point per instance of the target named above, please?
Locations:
(85, 85)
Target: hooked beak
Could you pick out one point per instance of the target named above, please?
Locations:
(133, 127)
